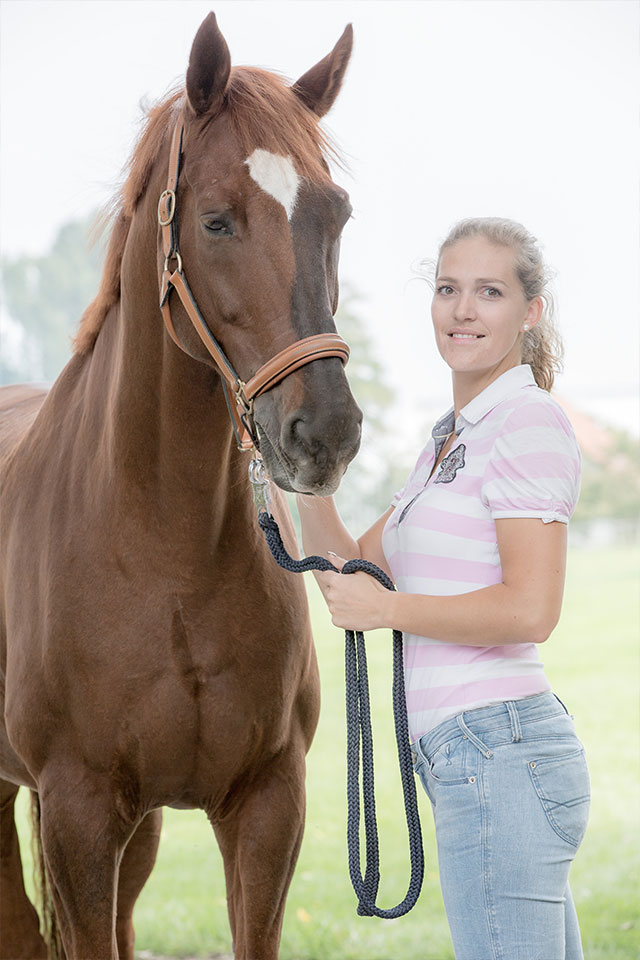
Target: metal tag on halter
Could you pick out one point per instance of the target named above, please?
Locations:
(260, 485)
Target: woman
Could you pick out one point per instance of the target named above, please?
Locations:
(476, 544)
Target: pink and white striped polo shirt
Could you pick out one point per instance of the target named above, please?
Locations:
(514, 455)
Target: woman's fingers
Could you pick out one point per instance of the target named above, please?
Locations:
(337, 561)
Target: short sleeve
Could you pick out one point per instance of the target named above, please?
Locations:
(534, 467)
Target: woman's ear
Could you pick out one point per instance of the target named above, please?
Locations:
(533, 314)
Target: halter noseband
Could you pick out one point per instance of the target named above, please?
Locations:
(238, 395)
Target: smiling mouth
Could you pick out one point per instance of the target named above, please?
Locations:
(466, 336)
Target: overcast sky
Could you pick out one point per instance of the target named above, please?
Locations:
(450, 109)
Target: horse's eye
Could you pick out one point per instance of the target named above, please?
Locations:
(217, 226)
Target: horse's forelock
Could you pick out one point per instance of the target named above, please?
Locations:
(264, 112)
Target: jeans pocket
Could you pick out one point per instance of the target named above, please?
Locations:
(449, 763)
(563, 788)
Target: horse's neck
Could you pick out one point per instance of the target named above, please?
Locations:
(168, 438)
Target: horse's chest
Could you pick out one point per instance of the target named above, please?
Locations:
(229, 692)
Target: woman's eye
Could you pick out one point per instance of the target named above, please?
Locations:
(444, 288)
(493, 292)
(217, 226)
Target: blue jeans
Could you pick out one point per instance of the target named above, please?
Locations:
(509, 787)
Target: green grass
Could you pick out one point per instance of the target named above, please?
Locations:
(592, 661)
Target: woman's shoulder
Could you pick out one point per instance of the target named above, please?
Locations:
(533, 409)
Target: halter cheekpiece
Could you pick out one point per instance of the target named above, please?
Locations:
(239, 395)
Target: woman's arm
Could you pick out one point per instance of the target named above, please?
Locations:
(524, 608)
(324, 531)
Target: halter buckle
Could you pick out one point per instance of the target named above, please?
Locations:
(166, 207)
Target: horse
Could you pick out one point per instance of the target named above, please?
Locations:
(152, 653)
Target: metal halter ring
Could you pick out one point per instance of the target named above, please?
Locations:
(170, 197)
(178, 259)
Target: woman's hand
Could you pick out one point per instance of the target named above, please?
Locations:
(356, 601)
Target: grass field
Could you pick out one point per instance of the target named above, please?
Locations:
(592, 661)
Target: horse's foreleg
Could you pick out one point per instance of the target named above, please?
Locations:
(19, 927)
(82, 838)
(260, 840)
(136, 865)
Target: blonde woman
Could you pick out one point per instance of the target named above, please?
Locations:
(476, 543)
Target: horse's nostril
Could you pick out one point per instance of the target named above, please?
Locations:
(299, 437)
(300, 431)
(320, 440)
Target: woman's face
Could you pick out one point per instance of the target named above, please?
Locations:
(479, 309)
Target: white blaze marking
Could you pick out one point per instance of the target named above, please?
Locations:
(276, 176)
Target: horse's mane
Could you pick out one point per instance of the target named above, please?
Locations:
(263, 112)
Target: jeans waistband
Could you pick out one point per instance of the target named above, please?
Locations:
(509, 713)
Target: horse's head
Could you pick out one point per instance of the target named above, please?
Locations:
(259, 224)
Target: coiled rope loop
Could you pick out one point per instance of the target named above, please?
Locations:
(360, 743)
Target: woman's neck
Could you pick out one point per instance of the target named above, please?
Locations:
(467, 385)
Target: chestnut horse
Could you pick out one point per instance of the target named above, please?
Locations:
(152, 651)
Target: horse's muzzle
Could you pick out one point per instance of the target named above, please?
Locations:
(313, 448)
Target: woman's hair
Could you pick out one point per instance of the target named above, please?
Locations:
(542, 345)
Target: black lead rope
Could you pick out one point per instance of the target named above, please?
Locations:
(360, 743)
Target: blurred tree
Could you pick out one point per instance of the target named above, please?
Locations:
(609, 504)
(365, 371)
(379, 469)
(11, 366)
(610, 489)
(45, 298)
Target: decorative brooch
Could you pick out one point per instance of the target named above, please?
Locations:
(453, 462)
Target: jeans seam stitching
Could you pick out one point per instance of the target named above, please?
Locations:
(486, 864)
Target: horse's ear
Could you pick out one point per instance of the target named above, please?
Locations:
(319, 87)
(209, 68)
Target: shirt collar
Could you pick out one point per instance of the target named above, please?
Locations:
(506, 385)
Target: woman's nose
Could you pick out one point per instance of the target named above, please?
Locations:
(465, 307)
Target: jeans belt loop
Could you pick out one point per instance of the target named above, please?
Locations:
(417, 752)
(468, 735)
(516, 729)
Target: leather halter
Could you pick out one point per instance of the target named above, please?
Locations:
(238, 395)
